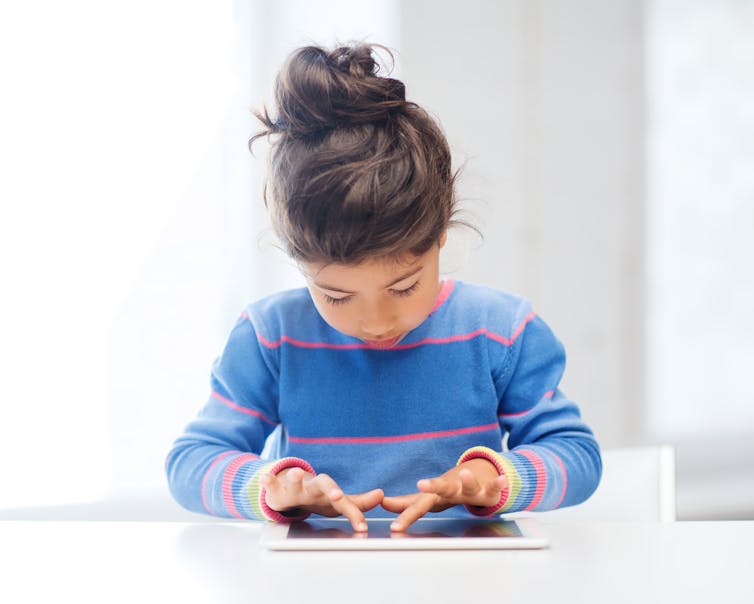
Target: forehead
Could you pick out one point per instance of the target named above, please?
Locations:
(375, 272)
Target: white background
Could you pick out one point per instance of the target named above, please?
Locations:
(607, 150)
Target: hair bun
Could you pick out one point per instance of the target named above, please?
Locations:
(318, 90)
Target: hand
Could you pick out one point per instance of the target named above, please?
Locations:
(474, 482)
(293, 488)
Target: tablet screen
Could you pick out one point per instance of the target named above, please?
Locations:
(423, 528)
(425, 533)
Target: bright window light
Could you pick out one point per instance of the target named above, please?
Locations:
(109, 111)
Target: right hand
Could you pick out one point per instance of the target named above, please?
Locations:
(293, 488)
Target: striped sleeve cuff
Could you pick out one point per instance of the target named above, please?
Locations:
(504, 467)
(257, 493)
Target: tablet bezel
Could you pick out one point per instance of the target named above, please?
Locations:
(275, 537)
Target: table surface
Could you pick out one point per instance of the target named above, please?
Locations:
(223, 562)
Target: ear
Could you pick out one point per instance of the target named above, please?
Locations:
(443, 239)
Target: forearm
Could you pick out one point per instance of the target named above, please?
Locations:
(545, 475)
(220, 481)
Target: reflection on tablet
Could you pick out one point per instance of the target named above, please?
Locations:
(452, 527)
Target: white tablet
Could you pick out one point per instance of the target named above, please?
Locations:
(426, 533)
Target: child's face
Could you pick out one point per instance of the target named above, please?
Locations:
(377, 301)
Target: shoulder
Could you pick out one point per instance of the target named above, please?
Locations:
(490, 308)
(281, 303)
(286, 313)
(486, 296)
(506, 320)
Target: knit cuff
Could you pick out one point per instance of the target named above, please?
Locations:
(258, 494)
(504, 468)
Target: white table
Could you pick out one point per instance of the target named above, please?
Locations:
(141, 562)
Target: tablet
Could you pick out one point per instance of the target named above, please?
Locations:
(425, 533)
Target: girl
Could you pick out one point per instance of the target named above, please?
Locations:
(389, 387)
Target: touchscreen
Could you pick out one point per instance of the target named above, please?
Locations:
(423, 528)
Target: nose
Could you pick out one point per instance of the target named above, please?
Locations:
(375, 329)
(376, 323)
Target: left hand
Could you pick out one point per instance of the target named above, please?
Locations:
(475, 482)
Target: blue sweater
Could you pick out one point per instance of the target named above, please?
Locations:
(482, 365)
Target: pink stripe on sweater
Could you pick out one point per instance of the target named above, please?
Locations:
(547, 394)
(539, 469)
(565, 479)
(228, 476)
(246, 410)
(445, 291)
(217, 460)
(301, 344)
(363, 345)
(363, 440)
(516, 333)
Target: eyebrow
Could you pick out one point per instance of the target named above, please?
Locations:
(343, 291)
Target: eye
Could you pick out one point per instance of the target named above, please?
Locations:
(336, 301)
(405, 292)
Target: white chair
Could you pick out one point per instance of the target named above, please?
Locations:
(638, 484)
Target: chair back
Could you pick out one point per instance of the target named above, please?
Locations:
(638, 484)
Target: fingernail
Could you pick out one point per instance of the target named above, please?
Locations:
(395, 526)
(362, 526)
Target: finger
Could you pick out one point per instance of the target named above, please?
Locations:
(469, 484)
(439, 486)
(498, 484)
(323, 485)
(367, 501)
(350, 510)
(278, 494)
(423, 504)
(489, 494)
(502, 481)
(398, 503)
(272, 486)
(293, 475)
(343, 504)
(269, 481)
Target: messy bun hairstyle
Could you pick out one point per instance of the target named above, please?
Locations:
(356, 171)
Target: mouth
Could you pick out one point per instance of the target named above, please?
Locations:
(384, 342)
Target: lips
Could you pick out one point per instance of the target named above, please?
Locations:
(385, 343)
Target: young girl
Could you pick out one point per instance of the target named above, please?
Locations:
(391, 388)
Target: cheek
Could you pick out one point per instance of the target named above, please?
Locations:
(419, 309)
(336, 317)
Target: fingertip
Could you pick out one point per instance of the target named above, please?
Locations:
(378, 494)
(387, 504)
(424, 485)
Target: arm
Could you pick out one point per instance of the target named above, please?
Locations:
(553, 459)
(215, 466)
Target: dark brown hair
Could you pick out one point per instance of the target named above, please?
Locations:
(356, 171)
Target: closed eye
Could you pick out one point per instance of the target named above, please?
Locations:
(405, 292)
(336, 301)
